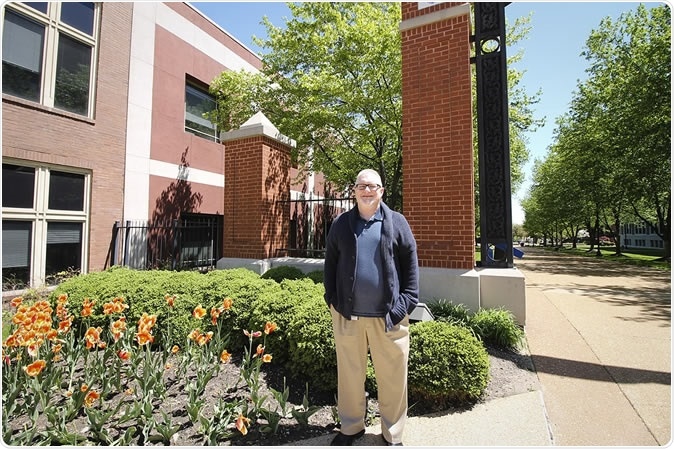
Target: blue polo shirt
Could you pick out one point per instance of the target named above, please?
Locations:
(368, 294)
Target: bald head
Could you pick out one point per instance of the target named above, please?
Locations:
(370, 175)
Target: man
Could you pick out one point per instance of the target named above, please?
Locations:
(371, 285)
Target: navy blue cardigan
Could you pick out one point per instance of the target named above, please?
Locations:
(399, 261)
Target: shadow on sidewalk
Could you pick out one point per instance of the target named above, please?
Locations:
(602, 373)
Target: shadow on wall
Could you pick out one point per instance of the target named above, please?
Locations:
(177, 198)
(276, 206)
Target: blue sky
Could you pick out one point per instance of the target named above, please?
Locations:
(551, 62)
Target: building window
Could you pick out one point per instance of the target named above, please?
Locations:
(48, 50)
(198, 103)
(45, 214)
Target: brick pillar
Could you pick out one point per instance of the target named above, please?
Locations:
(437, 132)
(257, 176)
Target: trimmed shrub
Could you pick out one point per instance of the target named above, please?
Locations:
(280, 308)
(447, 364)
(244, 288)
(283, 272)
(312, 346)
(145, 291)
(316, 276)
(497, 327)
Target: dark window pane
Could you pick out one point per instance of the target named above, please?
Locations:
(38, 6)
(22, 46)
(79, 15)
(16, 237)
(66, 191)
(18, 186)
(73, 69)
(198, 103)
(64, 247)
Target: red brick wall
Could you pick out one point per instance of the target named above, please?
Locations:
(257, 175)
(35, 133)
(437, 138)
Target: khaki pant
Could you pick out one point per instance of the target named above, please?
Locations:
(389, 352)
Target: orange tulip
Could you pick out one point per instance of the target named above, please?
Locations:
(260, 350)
(92, 337)
(84, 388)
(227, 303)
(35, 368)
(266, 358)
(144, 338)
(199, 312)
(270, 327)
(241, 424)
(175, 349)
(90, 398)
(225, 356)
(87, 307)
(123, 354)
(16, 302)
(215, 314)
(194, 334)
(170, 300)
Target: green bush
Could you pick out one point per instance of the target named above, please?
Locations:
(145, 291)
(447, 364)
(316, 276)
(445, 310)
(280, 308)
(244, 288)
(497, 327)
(312, 346)
(283, 272)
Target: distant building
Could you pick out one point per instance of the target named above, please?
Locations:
(639, 236)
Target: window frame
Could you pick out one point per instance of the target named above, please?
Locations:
(200, 88)
(53, 28)
(40, 216)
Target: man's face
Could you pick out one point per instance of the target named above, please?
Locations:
(368, 190)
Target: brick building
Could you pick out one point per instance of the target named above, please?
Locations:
(102, 123)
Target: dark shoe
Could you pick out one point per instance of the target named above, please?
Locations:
(346, 440)
(390, 444)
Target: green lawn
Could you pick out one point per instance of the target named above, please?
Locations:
(645, 257)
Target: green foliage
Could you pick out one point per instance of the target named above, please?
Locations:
(245, 288)
(445, 310)
(316, 276)
(283, 272)
(145, 291)
(312, 346)
(497, 327)
(280, 308)
(447, 364)
(611, 159)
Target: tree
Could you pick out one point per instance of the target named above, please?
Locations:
(332, 80)
(615, 141)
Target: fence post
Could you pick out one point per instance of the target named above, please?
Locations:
(115, 242)
(176, 251)
(126, 243)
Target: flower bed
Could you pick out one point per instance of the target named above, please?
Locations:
(118, 386)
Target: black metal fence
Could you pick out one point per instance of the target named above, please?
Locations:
(190, 243)
(310, 221)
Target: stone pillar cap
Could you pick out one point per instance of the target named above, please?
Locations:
(257, 125)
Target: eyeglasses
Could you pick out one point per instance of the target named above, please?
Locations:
(371, 187)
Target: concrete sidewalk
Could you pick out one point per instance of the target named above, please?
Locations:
(517, 420)
(599, 335)
(600, 339)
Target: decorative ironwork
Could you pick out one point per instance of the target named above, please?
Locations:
(493, 136)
